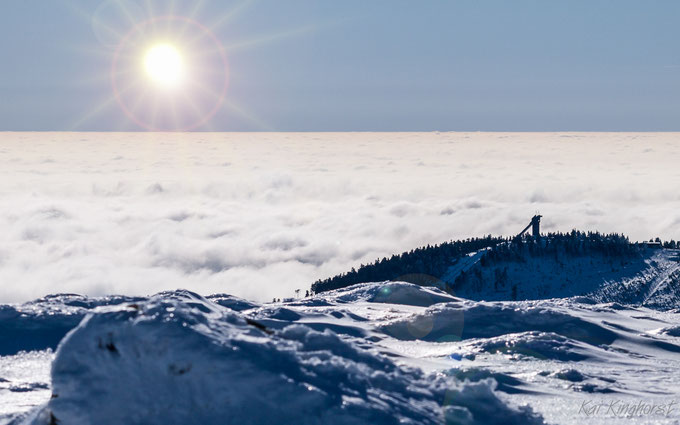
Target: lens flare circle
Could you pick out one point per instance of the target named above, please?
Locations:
(190, 61)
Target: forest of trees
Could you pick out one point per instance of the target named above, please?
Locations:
(431, 260)
(422, 265)
(574, 243)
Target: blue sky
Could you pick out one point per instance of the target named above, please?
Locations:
(383, 65)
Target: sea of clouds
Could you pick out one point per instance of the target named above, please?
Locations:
(259, 215)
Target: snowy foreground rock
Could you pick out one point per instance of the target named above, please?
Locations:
(178, 358)
(376, 353)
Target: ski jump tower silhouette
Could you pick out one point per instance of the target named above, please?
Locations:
(535, 227)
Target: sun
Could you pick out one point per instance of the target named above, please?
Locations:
(164, 65)
(170, 73)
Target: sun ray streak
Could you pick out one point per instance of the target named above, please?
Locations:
(128, 14)
(192, 105)
(270, 38)
(150, 14)
(87, 17)
(111, 100)
(262, 126)
(141, 96)
(93, 112)
(100, 79)
(227, 17)
(235, 108)
(170, 12)
(192, 14)
(94, 51)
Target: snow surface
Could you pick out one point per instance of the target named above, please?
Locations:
(363, 354)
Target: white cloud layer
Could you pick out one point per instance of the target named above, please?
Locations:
(259, 215)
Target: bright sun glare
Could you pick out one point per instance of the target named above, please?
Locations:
(164, 65)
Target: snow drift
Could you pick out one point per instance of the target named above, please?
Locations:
(42, 323)
(382, 352)
(178, 358)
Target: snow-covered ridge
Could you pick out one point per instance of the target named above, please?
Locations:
(651, 278)
(604, 268)
(180, 358)
(384, 353)
(42, 323)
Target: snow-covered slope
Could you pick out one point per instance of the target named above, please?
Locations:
(650, 279)
(383, 353)
(604, 268)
